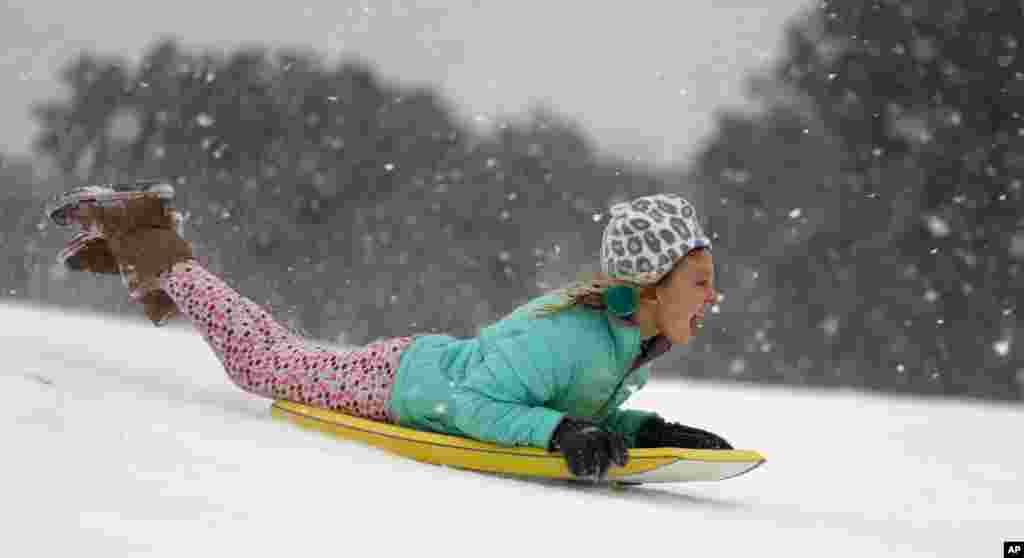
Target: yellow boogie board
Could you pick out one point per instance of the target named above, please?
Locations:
(646, 465)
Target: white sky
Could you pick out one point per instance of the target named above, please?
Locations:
(122, 439)
(643, 77)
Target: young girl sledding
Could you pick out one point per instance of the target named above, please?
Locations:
(552, 374)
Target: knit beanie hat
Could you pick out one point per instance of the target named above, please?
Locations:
(647, 236)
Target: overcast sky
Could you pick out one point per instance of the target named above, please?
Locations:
(669, 64)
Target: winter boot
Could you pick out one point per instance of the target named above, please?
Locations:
(61, 208)
(128, 229)
(88, 251)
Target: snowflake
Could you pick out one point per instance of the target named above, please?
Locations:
(1002, 347)
(737, 366)
(938, 226)
(830, 325)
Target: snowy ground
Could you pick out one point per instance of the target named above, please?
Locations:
(122, 439)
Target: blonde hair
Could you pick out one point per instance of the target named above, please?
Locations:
(587, 291)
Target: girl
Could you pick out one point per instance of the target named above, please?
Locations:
(552, 374)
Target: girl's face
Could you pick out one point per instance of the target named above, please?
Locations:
(684, 294)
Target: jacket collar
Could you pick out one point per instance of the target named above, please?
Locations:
(650, 348)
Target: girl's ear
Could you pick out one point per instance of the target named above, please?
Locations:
(649, 293)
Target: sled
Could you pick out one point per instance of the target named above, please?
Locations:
(646, 465)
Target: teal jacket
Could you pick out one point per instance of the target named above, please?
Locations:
(514, 381)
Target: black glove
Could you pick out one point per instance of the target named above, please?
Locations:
(589, 449)
(656, 433)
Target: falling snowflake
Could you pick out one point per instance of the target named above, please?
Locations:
(1002, 347)
(830, 325)
(938, 226)
(1017, 246)
(737, 366)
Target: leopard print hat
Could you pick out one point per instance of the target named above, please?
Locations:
(646, 236)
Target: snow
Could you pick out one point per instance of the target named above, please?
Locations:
(1002, 347)
(938, 226)
(122, 439)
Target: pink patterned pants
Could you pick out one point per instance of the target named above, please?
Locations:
(263, 357)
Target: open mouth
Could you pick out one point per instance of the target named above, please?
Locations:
(696, 321)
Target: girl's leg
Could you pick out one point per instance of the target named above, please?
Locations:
(263, 357)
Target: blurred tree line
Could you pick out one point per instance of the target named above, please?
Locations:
(347, 204)
(883, 185)
(868, 219)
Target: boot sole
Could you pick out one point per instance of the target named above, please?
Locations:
(69, 253)
(108, 194)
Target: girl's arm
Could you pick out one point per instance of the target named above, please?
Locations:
(503, 396)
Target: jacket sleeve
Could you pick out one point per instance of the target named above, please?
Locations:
(627, 422)
(502, 399)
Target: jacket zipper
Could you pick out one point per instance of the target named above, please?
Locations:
(643, 351)
(616, 390)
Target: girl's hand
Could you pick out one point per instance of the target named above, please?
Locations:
(589, 450)
(656, 433)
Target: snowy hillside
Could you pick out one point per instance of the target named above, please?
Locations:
(123, 439)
